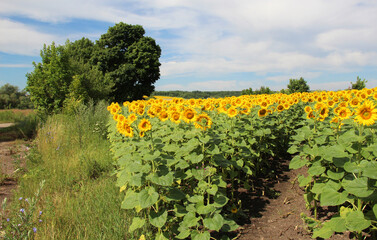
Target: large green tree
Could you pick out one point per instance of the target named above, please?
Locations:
(298, 85)
(49, 83)
(129, 60)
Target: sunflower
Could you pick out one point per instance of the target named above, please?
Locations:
(163, 116)
(140, 110)
(132, 118)
(344, 113)
(175, 116)
(203, 121)
(188, 115)
(354, 102)
(307, 109)
(366, 114)
(310, 115)
(262, 112)
(280, 107)
(232, 112)
(145, 125)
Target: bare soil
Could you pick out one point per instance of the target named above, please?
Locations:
(12, 161)
(274, 212)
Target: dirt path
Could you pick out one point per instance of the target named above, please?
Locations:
(279, 218)
(12, 160)
(5, 125)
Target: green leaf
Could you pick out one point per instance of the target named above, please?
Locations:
(330, 197)
(189, 220)
(334, 151)
(158, 219)
(131, 200)
(370, 170)
(355, 221)
(184, 234)
(175, 194)
(213, 190)
(335, 175)
(304, 181)
(136, 223)
(161, 236)
(229, 226)
(196, 198)
(324, 232)
(196, 235)
(357, 187)
(316, 169)
(162, 180)
(194, 158)
(375, 210)
(214, 223)
(148, 197)
(337, 224)
(205, 209)
(220, 201)
(298, 162)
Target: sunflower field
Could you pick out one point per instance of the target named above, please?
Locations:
(180, 162)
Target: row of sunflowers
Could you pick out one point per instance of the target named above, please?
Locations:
(181, 162)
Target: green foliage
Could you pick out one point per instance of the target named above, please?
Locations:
(197, 94)
(129, 60)
(341, 172)
(262, 90)
(11, 97)
(298, 85)
(359, 84)
(49, 83)
(122, 61)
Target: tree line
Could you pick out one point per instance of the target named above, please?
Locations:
(12, 97)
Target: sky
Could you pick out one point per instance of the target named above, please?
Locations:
(209, 45)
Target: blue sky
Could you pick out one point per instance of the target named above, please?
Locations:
(209, 44)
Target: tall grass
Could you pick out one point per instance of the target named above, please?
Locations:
(25, 124)
(79, 199)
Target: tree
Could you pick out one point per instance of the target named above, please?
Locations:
(49, 83)
(129, 60)
(359, 84)
(298, 85)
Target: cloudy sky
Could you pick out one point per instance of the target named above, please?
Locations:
(209, 44)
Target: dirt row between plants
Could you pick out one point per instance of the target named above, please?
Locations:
(280, 217)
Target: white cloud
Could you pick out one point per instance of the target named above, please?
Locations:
(17, 38)
(221, 36)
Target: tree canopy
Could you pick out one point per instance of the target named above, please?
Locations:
(11, 97)
(298, 85)
(359, 84)
(122, 65)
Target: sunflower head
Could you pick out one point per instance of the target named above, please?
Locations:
(145, 125)
(163, 116)
(262, 112)
(188, 115)
(203, 121)
(175, 117)
(366, 114)
(232, 112)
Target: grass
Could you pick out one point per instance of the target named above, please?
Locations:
(25, 124)
(79, 199)
(14, 115)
